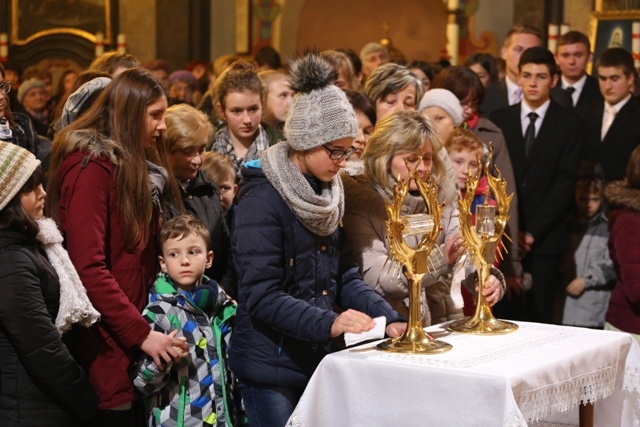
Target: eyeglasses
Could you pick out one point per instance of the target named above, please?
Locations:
(5, 87)
(339, 154)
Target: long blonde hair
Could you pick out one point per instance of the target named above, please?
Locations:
(400, 132)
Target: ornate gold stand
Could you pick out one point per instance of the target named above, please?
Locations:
(482, 249)
(414, 265)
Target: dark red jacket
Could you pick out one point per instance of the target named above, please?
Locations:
(117, 279)
(624, 248)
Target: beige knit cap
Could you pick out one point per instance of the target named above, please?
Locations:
(320, 111)
(16, 167)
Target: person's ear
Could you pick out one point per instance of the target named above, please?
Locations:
(554, 80)
(209, 259)
(219, 110)
(163, 264)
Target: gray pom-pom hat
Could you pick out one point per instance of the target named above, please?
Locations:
(320, 111)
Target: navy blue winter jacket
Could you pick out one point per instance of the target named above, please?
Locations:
(288, 281)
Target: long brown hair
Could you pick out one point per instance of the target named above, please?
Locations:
(633, 169)
(119, 115)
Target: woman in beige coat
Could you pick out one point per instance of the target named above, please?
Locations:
(399, 136)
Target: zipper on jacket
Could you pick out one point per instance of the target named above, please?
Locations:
(182, 401)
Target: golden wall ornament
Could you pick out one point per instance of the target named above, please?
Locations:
(414, 261)
(483, 241)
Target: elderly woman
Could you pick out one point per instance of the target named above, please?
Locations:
(187, 135)
(393, 87)
(404, 135)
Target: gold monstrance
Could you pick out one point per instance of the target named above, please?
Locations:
(414, 261)
(482, 240)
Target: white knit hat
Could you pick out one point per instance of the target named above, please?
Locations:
(444, 99)
(27, 86)
(320, 111)
(16, 167)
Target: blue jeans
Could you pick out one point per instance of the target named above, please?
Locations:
(269, 406)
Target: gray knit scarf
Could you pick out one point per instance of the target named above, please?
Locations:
(75, 306)
(320, 214)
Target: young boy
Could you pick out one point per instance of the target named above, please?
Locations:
(592, 274)
(464, 149)
(220, 169)
(194, 391)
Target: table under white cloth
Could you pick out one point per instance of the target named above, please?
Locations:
(537, 375)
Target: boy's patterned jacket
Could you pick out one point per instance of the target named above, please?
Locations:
(193, 391)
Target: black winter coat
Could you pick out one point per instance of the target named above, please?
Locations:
(201, 199)
(288, 282)
(40, 382)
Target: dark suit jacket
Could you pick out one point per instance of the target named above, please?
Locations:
(496, 97)
(545, 180)
(590, 93)
(623, 136)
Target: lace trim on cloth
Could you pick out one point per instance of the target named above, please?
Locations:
(631, 387)
(560, 397)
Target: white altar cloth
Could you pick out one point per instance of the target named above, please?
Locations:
(537, 375)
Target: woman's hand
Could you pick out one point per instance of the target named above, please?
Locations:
(164, 347)
(492, 290)
(396, 329)
(351, 321)
(454, 247)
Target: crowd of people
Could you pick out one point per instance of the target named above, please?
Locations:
(183, 247)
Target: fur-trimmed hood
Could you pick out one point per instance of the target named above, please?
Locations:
(619, 194)
(96, 144)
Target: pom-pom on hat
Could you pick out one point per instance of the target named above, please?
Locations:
(444, 99)
(27, 86)
(16, 167)
(320, 111)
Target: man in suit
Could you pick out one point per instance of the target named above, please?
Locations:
(508, 92)
(612, 128)
(576, 88)
(544, 147)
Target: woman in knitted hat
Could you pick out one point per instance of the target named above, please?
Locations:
(40, 297)
(108, 190)
(290, 260)
(444, 110)
(15, 127)
(403, 135)
(240, 99)
(32, 96)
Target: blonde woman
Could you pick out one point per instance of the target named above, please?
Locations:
(403, 135)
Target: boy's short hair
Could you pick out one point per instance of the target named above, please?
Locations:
(616, 57)
(464, 139)
(590, 177)
(538, 55)
(218, 167)
(182, 226)
(521, 29)
(574, 37)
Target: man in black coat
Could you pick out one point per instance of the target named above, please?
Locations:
(612, 128)
(576, 87)
(508, 92)
(544, 152)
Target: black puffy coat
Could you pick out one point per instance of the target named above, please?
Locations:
(288, 282)
(40, 382)
(201, 198)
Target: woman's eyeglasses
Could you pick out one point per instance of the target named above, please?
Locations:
(339, 154)
(5, 87)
